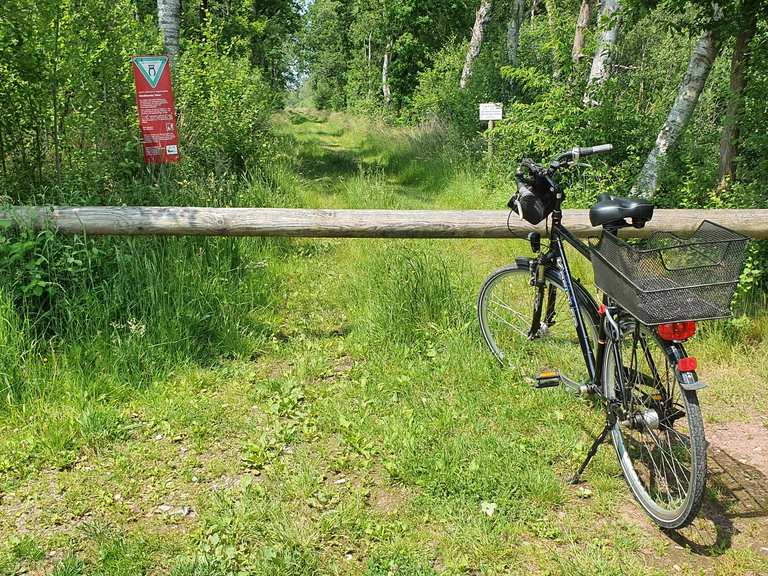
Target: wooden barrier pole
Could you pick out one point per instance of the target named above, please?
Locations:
(170, 221)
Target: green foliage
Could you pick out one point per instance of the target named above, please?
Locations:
(325, 46)
(345, 44)
(223, 108)
(436, 95)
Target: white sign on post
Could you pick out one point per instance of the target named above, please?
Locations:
(491, 111)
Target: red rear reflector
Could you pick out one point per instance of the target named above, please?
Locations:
(676, 331)
(686, 364)
(601, 310)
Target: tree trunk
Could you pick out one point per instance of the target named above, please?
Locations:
(534, 5)
(369, 50)
(55, 97)
(203, 12)
(482, 18)
(513, 31)
(585, 13)
(385, 89)
(168, 21)
(699, 66)
(2, 152)
(729, 139)
(609, 23)
(551, 8)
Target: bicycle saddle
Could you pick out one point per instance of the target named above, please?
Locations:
(613, 211)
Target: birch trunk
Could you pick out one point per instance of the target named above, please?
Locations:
(534, 5)
(168, 22)
(585, 13)
(729, 139)
(609, 23)
(482, 18)
(513, 31)
(699, 66)
(385, 89)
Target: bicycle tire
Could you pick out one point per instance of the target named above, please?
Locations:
(648, 475)
(518, 275)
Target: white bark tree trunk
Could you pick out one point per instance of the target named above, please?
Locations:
(699, 66)
(513, 31)
(482, 18)
(168, 22)
(609, 23)
(582, 23)
(385, 89)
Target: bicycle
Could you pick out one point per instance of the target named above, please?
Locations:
(631, 344)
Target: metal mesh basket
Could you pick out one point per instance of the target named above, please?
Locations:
(671, 279)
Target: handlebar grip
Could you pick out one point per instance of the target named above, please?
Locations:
(602, 148)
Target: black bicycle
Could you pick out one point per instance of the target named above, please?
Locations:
(628, 351)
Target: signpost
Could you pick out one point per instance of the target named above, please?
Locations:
(157, 110)
(490, 112)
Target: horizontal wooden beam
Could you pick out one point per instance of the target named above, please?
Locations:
(169, 221)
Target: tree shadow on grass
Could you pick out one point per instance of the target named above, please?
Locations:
(325, 161)
(738, 492)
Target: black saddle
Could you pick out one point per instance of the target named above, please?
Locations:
(614, 211)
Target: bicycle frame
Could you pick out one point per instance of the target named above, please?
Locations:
(559, 236)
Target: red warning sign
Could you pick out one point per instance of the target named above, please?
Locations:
(157, 111)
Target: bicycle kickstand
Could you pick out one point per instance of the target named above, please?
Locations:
(576, 479)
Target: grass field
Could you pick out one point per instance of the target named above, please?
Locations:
(328, 407)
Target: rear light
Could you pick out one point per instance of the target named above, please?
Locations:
(676, 331)
(687, 364)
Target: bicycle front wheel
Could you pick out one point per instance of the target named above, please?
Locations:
(505, 310)
(659, 439)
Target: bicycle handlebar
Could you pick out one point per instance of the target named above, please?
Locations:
(563, 160)
(602, 148)
(574, 154)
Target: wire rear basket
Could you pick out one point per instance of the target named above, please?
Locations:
(672, 279)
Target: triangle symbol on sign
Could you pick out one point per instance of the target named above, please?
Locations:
(151, 68)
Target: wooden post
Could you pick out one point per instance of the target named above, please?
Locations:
(172, 221)
(490, 138)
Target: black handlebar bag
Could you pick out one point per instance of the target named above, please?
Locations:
(535, 198)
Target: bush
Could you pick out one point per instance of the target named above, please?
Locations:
(223, 108)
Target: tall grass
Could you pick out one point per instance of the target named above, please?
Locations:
(98, 317)
(412, 293)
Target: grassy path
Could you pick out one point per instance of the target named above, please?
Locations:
(370, 433)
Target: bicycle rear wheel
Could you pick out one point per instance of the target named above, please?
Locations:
(505, 309)
(659, 440)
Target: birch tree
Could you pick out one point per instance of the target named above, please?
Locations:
(729, 138)
(482, 18)
(699, 66)
(168, 21)
(385, 88)
(582, 23)
(609, 24)
(513, 31)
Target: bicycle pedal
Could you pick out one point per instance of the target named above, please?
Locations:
(548, 379)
